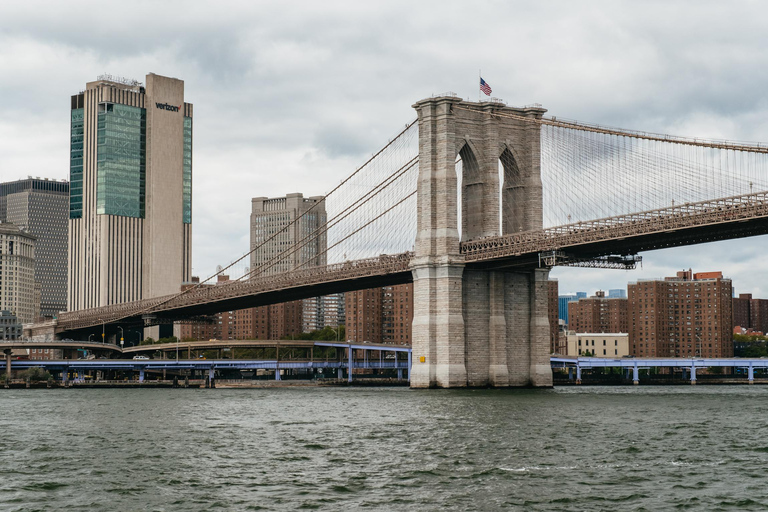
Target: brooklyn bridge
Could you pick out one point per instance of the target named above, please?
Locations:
(475, 203)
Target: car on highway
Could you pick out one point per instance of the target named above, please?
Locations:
(140, 358)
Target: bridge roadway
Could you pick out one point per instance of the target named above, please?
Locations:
(686, 224)
(639, 363)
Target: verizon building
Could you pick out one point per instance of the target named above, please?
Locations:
(130, 209)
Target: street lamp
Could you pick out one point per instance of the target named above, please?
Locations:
(121, 336)
(103, 328)
(89, 336)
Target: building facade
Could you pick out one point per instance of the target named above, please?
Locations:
(10, 327)
(562, 304)
(603, 344)
(750, 314)
(380, 315)
(598, 314)
(689, 315)
(19, 293)
(364, 315)
(333, 310)
(130, 208)
(41, 207)
(285, 235)
(396, 314)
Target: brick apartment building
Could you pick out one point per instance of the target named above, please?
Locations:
(682, 316)
(598, 314)
(273, 322)
(380, 315)
(749, 313)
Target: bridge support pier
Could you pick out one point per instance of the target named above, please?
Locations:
(349, 365)
(475, 326)
(7, 353)
(507, 328)
(141, 375)
(751, 374)
(578, 374)
(693, 375)
(635, 375)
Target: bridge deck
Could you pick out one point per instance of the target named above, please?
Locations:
(686, 224)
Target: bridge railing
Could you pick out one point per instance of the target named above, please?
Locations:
(355, 269)
(728, 209)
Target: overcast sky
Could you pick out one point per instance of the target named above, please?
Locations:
(291, 96)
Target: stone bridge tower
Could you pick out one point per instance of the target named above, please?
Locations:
(476, 327)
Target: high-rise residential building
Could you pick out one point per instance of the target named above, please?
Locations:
(41, 207)
(313, 314)
(19, 293)
(397, 314)
(380, 315)
(286, 235)
(598, 314)
(364, 315)
(562, 304)
(741, 311)
(750, 314)
(130, 208)
(333, 310)
(689, 315)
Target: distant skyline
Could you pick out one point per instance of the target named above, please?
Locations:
(292, 96)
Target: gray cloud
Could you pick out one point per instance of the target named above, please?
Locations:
(292, 96)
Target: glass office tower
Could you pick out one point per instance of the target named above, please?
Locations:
(130, 227)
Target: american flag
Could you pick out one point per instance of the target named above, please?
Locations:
(485, 87)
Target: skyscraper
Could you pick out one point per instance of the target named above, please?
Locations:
(19, 293)
(130, 212)
(41, 207)
(284, 236)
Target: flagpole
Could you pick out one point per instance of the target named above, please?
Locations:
(479, 77)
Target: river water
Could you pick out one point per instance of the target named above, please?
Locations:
(587, 448)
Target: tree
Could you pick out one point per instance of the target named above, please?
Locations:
(756, 350)
(35, 374)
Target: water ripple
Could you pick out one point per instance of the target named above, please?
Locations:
(686, 448)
